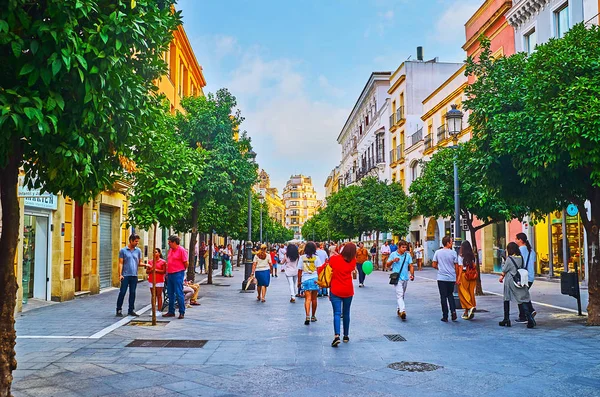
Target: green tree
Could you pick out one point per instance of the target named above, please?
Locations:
(433, 193)
(76, 87)
(536, 119)
(211, 122)
(165, 172)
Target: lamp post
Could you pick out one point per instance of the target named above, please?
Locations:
(454, 126)
(261, 198)
(251, 156)
(454, 119)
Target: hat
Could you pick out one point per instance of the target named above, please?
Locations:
(263, 246)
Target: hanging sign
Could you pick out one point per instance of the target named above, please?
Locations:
(572, 210)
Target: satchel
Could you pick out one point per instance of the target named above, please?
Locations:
(471, 272)
(521, 277)
(395, 277)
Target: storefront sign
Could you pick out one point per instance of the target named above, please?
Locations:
(35, 199)
(572, 210)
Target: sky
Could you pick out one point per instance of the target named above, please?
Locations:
(298, 67)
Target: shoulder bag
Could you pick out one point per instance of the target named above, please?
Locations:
(395, 277)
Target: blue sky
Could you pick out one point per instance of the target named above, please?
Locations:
(297, 67)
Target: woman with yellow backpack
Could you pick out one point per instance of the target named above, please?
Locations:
(307, 270)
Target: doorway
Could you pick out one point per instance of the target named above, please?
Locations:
(35, 257)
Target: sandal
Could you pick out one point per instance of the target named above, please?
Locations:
(292, 300)
(307, 321)
(313, 319)
(263, 301)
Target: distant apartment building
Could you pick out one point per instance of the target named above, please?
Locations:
(272, 197)
(300, 199)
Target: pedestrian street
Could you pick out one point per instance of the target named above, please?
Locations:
(264, 349)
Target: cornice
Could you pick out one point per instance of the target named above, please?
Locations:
(523, 11)
(497, 15)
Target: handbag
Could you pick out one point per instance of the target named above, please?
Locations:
(521, 277)
(471, 272)
(395, 277)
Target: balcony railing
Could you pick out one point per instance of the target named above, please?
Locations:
(399, 114)
(400, 152)
(392, 122)
(380, 158)
(393, 157)
(416, 137)
(428, 141)
(441, 133)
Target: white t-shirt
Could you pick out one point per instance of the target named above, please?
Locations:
(446, 258)
(281, 254)
(262, 264)
(290, 267)
(322, 255)
(309, 267)
(385, 249)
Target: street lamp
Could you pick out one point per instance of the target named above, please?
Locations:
(261, 198)
(251, 156)
(454, 119)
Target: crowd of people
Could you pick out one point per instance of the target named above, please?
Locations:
(301, 264)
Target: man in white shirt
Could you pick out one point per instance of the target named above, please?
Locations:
(445, 261)
(385, 254)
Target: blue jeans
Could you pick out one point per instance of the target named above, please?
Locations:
(361, 274)
(337, 303)
(175, 290)
(131, 283)
(202, 263)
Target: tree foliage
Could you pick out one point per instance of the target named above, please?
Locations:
(535, 118)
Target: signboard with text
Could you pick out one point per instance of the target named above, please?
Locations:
(36, 199)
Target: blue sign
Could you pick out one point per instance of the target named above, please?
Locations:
(572, 210)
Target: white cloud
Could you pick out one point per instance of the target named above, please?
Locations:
(225, 45)
(388, 15)
(330, 89)
(450, 27)
(385, 19)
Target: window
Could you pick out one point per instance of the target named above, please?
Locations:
(561, 21)
(530, 41)
(294, 194)
(414, 171)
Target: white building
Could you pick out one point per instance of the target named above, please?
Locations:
(537, 21)
(363, 138)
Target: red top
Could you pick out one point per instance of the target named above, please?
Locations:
(176, 259)
(341, 277)
(273, 257)
(160, 277)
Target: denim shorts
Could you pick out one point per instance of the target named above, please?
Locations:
(310, 285)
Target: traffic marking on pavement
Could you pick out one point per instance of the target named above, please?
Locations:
(537, 303)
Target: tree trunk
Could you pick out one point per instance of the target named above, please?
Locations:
(210, 258)
(239, 254)
(191, 271)
(9, 176)
(593, 307)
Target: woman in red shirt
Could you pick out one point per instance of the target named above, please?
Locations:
(160, 276)
(342, 289)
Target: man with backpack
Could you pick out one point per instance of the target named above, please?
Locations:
(401, 263)
(528, 255)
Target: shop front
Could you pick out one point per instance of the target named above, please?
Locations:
(37, 242)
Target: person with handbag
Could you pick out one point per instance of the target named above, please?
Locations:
(467, 279)
(529, 255)
(227, 254)
(261, 270)
(401, 263)
(342, 290)
(514, 287)
(290, 269)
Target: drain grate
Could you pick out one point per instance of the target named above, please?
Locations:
(395, 338)
(411, 366)
(181, 343)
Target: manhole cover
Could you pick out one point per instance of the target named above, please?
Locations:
(395, 338)
(147, 323)
(187, 344)
(411, 366)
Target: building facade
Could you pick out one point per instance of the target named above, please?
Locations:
(363, 138)
(68, 248)
(332, 183)
(271, 197)
(300, 199)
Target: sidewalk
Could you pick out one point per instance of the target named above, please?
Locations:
(264, 349)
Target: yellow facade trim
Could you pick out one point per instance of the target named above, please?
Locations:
(445, 101)
(397, 83)
(396, 72)
(445, 83)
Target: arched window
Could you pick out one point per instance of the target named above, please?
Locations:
(414, 170)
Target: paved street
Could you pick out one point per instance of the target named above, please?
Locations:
(256, 349)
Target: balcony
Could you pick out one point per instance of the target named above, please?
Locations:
(428, 141)
(416, 137)
(393, 157)
(441, 133)
(399, 115)
(400, 153)
(392, 120)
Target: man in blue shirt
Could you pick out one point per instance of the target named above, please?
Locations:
(393, 247)
(130, 258)
(528, 255)
(401, 262)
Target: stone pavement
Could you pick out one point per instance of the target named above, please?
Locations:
(264, 349)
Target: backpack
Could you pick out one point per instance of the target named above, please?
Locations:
(471, 272)
(325, 273)
(520, 279)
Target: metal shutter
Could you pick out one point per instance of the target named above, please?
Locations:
(105, 248)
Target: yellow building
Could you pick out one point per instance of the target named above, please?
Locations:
(68, 248)
(332, 184)
(272, 198)
(300, 199)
